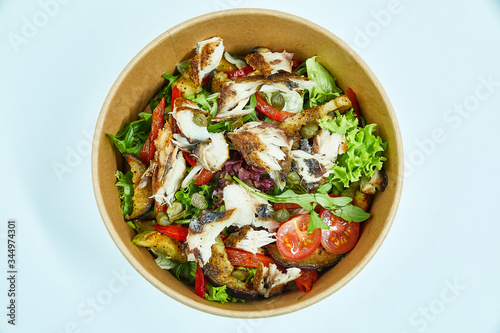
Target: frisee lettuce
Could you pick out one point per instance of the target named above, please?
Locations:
(364, 149)
(125, 190)
(219, 294)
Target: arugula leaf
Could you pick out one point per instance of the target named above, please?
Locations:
(326, 89)
(164, 92)
(219, 294)
(185, 272)
(351, 213)
(206, 101)
(226, 126)
(125, 190)
(315, 222)
(131, 137)
(308, 201)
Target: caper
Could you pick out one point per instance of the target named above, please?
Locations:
(293, 178)
(198, 200)
(200, 119)
(281, 215)
(175, 211)
(237, 123)
(277, 101)
(162, 219)
(239, 275)
(309, 131)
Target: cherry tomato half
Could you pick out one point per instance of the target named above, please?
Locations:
(342, 235)
(293, 240)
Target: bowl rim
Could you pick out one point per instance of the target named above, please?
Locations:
(207, 308)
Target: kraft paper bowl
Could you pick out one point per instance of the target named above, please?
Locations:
(242, 29)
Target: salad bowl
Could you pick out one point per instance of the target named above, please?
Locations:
(139, 82)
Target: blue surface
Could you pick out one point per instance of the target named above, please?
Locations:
(436, 272)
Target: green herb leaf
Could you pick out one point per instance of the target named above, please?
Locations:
(125, 190)
(185, 272)
(219, 294)
(206, 101)
(352, 213)
(131, 137)
(315, 222)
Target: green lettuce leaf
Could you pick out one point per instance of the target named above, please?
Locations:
(163, 261)
(125, 190)
(219, 294)
(206, 101)
(364, 150)
(326, 89)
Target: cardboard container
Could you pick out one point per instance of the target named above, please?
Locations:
(242, 29)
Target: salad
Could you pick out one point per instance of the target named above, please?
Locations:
(251, 175)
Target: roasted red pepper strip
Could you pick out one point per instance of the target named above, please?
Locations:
(247, 259)
(354, 101)
(200, 285)
(306, 279)
(203, 177)
(176, 93)
(160, 208)
(189, 159)
(240, 72)
(271, 112)
(148, 150)
(295, 63)
(174, 231)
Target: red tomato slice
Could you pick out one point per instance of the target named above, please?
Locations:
(342, 235)
(293, 240)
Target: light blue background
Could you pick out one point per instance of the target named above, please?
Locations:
(429, 56)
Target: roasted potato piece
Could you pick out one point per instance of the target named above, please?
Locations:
(225, 66)
(362, 200)
(185, 85)
(217, 81)
(158, 241)
(319, 259)
(293, 124)
(219, 270)
(142, 188)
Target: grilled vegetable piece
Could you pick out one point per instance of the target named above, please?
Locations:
(377, 182)
(158, 241)
(319, 259)
(362, 200)
(219, 270)
(292, 125)
(142, 189)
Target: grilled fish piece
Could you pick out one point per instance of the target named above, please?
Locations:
(250, 240)
(235, 95)
(264, 145)
(270, 62)
(269, 281)
(214, 153)
(203, 232)
(183, 113)
(209, 53)
(329, 145)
